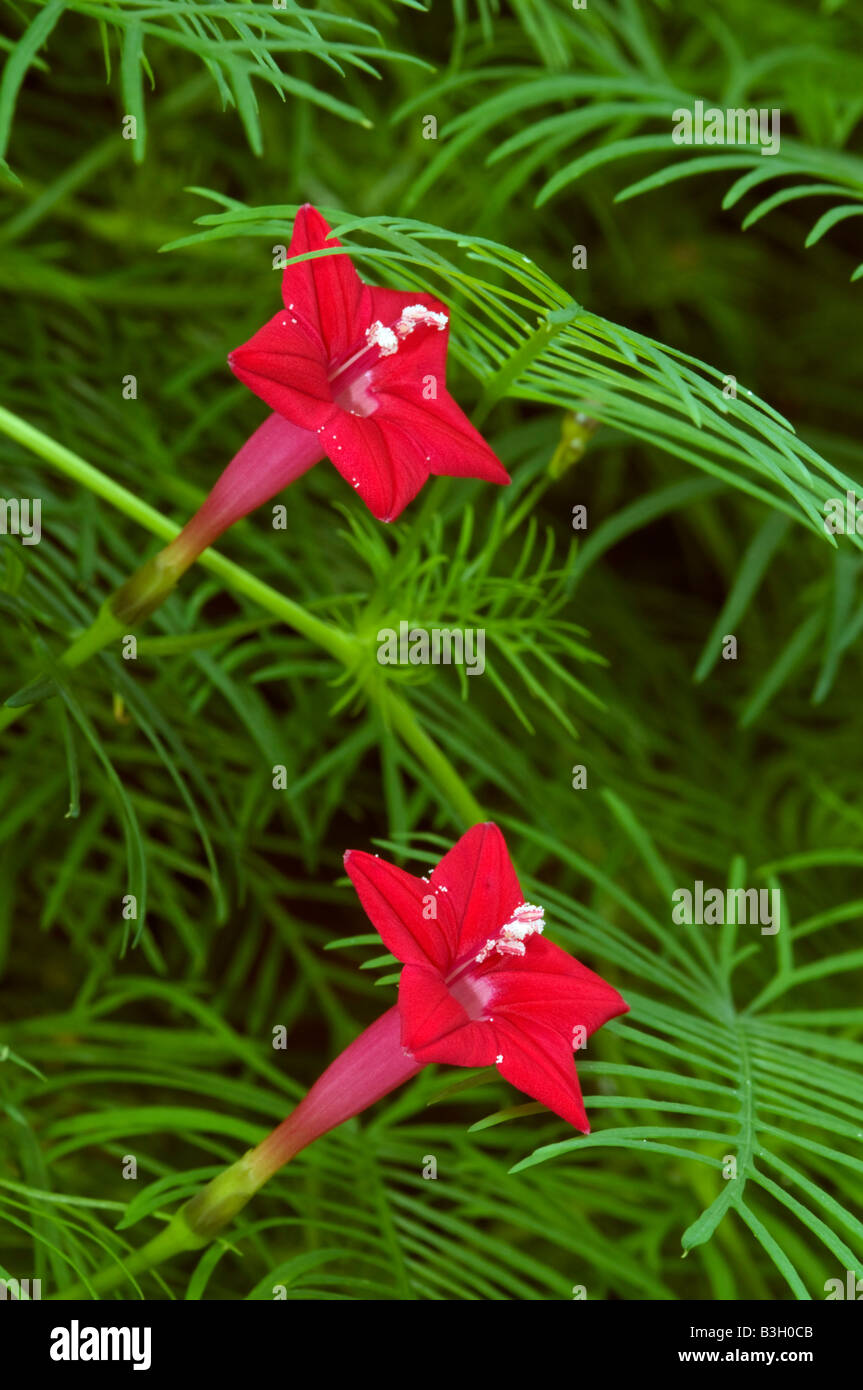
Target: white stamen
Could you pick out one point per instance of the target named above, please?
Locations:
(527, 920)
(499, 1057)
(414, 315)
(382, 338)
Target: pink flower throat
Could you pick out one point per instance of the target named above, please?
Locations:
(351, 378)
(474, 989)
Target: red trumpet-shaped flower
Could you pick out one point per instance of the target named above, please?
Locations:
(363, 370)
(481, 986)
(351, 371)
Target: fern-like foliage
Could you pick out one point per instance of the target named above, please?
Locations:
(235, 42)
(604, 92)
(525, 337)
(622, 753)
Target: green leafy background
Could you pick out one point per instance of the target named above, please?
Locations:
(600, 387)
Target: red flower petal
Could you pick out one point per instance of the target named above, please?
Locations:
(435, 1027)
(404, 383)
(394, 901)
(451, 444)
(325, 294)
(481, 885)
(283, 365)
(380, 460)
(540, 1063)
(548, 985)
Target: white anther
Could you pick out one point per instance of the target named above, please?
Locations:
(415, 314)
(383, 338)
(527, 920)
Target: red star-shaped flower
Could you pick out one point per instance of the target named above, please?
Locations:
(351, 371)
(481, 986)
(363, 369)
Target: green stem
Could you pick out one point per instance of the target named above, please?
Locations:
(175, 1239)
(340, 645)
(406, 724)
(193, 1227)
(238, 579)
